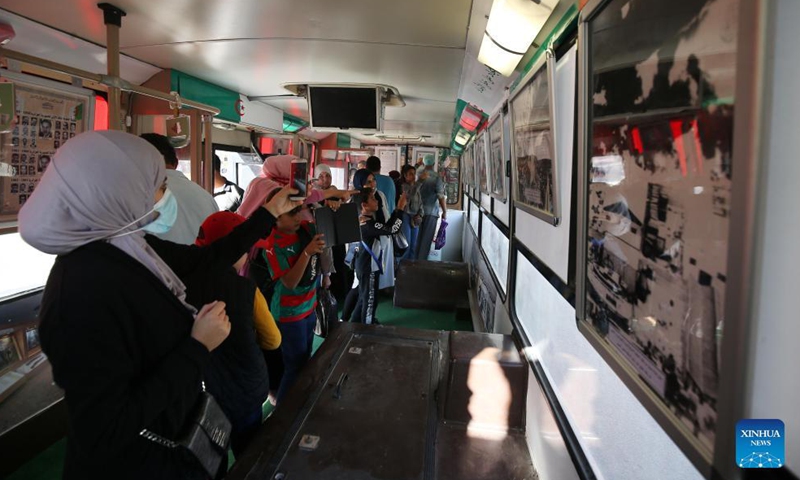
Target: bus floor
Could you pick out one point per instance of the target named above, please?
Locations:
(48, 464)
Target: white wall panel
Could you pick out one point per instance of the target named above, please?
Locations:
(551, 244)
(776, 385)
(619, 437)
(495, 245)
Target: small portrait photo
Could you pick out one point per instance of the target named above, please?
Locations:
(24, 158)
(44, 161)
(72, 127)
(23, 199)
(14, 188)
(24, 131)
(15, 141)
(24, 141)
(58, 124)
(34, 121)
(25, 120)
(33, 143)
(45, 129)
(71, 135)
(23, 170)
(58, 135)
(16, 131)
(56, 144)
(31, 186)
(15, 158)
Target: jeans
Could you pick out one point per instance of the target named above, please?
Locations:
(298, 340)
(410, 232)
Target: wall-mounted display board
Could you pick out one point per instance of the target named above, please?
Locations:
(534, 172)
(47, 115)
(656, 144)
(497, 159)
(481, 163)
(468, 168)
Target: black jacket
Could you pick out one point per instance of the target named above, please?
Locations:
(120, 347)
(237, 374)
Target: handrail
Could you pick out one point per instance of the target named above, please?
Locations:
(107, 80)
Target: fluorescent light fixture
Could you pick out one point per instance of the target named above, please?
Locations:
(512, 26)
(462, 137)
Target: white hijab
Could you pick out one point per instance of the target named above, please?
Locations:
(99, 184)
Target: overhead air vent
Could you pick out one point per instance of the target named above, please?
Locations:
(402, 138)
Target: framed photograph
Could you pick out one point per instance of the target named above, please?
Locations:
(9, 353)
(497, 160)
(535, 186)
(46, 109)
(422, 153)
(468, 170)
(481, 163)
(656, 109)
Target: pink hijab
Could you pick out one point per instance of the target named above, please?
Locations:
(275, 173)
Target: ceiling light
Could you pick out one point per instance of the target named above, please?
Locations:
(471, 117)
(462, 137)
(512, 26)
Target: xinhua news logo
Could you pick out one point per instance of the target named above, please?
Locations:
(760, 443)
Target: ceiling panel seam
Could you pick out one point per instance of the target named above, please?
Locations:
(304, 39)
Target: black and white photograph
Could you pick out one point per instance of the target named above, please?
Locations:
(57, 135)
(25, 120)
(15, 158)
(14, 188)
(44, 161)
(8, 352)
(15, 141)
(481, 163)
(23, 170)
(72, 127)
(58, 124)
(660, 167)
(32, 338)
(497, 161)
(34, 121)
(534, 153)
(469, 167)
(56, 144)
(23, 199)
(45, 129)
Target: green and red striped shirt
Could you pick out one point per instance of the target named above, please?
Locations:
(281, 252)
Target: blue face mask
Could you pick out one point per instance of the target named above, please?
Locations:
(167, 209)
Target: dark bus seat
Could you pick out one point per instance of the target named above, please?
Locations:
(432, 285)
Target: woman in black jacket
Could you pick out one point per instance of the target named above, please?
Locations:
(124, 344)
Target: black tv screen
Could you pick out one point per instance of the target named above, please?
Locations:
(343, 107)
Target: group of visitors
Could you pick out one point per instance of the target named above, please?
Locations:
(155, 295)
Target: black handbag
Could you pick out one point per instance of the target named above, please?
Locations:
(400, 241)
(205, 437)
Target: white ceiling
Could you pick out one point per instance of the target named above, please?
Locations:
(254, 46)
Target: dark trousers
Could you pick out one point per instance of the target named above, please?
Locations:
(350, 304)
(241, 436)
(426, 233)
(367, 304)
(342, 279)
(298, 340)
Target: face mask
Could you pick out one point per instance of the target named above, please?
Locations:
(167, 209)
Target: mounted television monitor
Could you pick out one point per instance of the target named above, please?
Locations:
(339, 107)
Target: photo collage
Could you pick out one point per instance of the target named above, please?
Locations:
(44, 122)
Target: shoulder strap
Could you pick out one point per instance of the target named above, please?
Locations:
(374, 257)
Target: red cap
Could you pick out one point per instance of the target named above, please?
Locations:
(217, 226)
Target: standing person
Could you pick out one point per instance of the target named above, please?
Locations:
(339, 280)
(366, 179)
(385, 183)
(237, 374)
(397, 178)
(194, 203)
(413, 213)
(433, 202)
(227, 194)
(292, 253)
(124, 344)
(370, 258)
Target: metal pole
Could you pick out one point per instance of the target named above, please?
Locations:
(208, 154)
(112, 17)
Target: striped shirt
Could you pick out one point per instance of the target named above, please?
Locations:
(282, 251)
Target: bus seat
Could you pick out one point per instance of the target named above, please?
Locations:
(432, 285)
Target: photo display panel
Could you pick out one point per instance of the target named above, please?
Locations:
(660, 134)
(534, 166)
